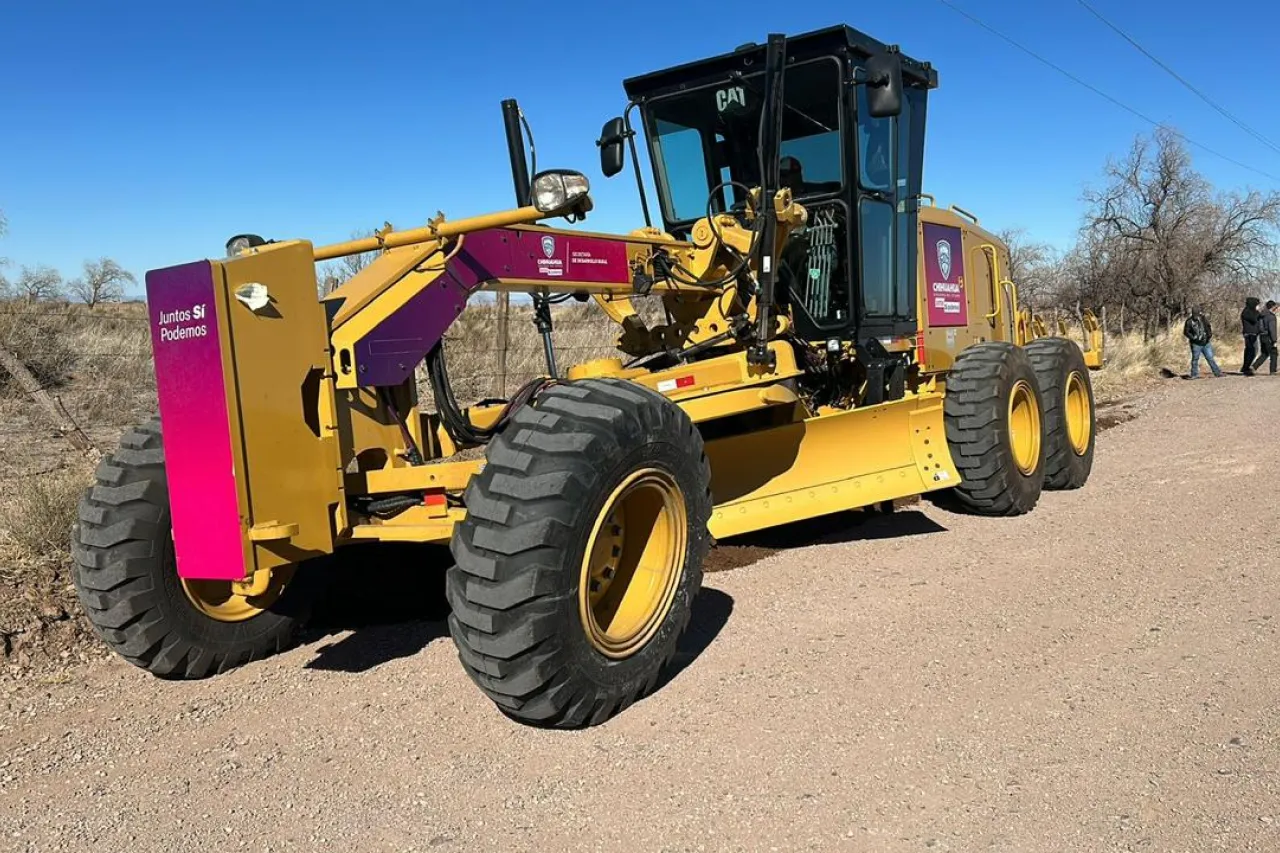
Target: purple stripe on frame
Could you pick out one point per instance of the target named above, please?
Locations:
(393, 348)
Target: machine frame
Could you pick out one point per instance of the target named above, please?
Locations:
(580, 508)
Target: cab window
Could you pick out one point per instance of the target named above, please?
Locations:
(875, 148)
(704, 136)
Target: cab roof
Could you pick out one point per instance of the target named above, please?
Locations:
(830, 41)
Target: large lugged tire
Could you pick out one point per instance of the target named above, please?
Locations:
(581, 552)
(995, 429)
(1070, 424)
(127, 580)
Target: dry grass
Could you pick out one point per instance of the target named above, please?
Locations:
(580, 333)
(98, 363)
(39, 511)
(1131, 361)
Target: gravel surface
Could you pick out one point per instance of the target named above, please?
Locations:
(1099, 675)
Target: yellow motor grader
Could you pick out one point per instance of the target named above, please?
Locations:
(830, 339)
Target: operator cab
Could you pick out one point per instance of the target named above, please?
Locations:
(851, 272)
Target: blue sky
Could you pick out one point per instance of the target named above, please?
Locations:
(150, 132)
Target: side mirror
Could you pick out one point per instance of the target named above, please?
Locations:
(611, 153)
(884, 85)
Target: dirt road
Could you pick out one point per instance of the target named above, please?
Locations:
(1099, 675)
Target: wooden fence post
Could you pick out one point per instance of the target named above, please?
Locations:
(57, 412)
(500, 365)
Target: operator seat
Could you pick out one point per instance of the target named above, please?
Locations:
(791, 173)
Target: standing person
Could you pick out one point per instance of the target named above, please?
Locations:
(1199, 333)
(1267, 338)
(1249, 319)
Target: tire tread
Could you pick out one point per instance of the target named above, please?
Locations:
(118, 564)
(507, 588)
(974, 406)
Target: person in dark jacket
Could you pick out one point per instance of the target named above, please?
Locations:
(1249, 319)
(1199, 333)
(1267, 338)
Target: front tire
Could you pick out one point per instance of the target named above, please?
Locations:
(581, 552)
(1069, 419)
(127, 581)
(995, 429)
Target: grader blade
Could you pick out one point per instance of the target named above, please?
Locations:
(800, 470)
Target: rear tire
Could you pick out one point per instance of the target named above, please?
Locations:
(554, 632)
(127, 581)
(1069, 420)
(995, 430)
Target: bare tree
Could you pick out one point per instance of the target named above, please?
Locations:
(103, 281)
(5, 292)
(1160, 238)
(333, 275)
(1095, 273)
(39, 283)
(1033, 267)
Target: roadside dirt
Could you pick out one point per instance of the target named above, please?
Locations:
(1098, 675)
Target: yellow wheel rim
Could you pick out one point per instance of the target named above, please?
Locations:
(219, 599)
(633, 564)
(1079, 424)
(1024, 428)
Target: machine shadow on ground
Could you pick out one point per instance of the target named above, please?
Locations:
(838, 528)
(390, 597)
(710, 613)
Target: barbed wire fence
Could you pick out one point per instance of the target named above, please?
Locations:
(84, 375)
(81, 376)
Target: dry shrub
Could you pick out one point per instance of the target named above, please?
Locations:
(580, 332)
(114, 375)
(41, 509)
(98, 361)
(1131, 360)
(36, 334)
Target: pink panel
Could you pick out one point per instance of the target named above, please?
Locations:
(192, 393)
(947, 303)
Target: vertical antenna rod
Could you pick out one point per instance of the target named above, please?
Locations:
(515, 148)
(770, 146)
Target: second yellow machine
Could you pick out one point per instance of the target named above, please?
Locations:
(829, 339)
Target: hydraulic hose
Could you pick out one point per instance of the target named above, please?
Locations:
(459, 427)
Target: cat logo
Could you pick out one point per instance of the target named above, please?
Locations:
(731, 98)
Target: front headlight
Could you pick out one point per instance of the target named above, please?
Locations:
(559, 190)
(242, 243)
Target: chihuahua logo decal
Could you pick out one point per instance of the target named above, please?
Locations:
(944, 258)
(548, 245)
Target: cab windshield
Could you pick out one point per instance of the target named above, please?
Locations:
(710, 134)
